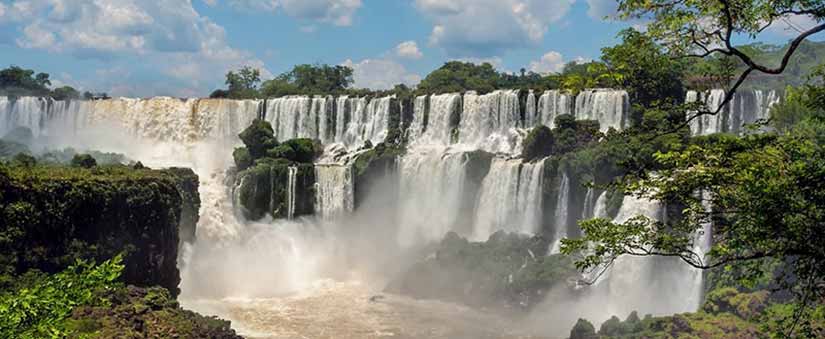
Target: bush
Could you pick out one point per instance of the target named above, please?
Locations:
(583, 330)
(41, 310)
(84, 160)
(24, 160)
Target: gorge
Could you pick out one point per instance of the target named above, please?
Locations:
(282, 247)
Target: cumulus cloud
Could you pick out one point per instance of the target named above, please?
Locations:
(336, 12)
(483, 28)
(380, 74)
(550, 62)
(408, 49)
(167, 35)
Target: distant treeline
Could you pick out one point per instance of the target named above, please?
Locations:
(636, 64)
(17, 81)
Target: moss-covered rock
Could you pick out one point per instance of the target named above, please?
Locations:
(145, 313)
(538, 143)
(372, 167)
(508, 270)
(243, 159)
(187, 183)
(263, 189)
(298, 150)
(258, 138)
(50, 216)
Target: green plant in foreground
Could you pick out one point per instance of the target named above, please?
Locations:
(41, 309)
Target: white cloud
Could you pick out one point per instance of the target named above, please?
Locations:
(551, 62)
(792, 25)
(2, 10)
(408, 49)
(166, 35)
(483, 28)
(380, 74)
(602, 9)
(336, 12)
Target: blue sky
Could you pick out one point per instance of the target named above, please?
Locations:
(184, 48)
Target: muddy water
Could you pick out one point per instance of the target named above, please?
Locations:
(344, 310)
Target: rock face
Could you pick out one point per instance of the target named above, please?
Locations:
(276, 179)
(49, 216)
(276, 187)
(507, 271)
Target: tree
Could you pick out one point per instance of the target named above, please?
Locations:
(763, 195)
(707, 28)
(457, 76)
(21, 81)
(65, 93)
(310, 80)
(643, 68)
(243, 83)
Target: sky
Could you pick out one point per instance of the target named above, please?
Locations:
(183, 48)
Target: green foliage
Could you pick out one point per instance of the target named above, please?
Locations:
(768, 203)
(310, 79)
(583, 330)
(17, 81)
(66, 155)
(65, 93)
(643, 68)
(83, 160)
(23, 160)
(243, 83)
(41, 309)
(243, 159)
(258, 138)
(457, 76)
(538, 143)
(53, 215)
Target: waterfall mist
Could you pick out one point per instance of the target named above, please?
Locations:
(460, 173)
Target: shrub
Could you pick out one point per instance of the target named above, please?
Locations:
(83, 160)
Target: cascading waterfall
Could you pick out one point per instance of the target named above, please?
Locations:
(292, 173)
(334, 194)
(489, 121)
(510, 199)
(746, 107)
(432, 183)
(531, 117)
(443, 111)
(561, 215)
(609, 107)
(552, 104)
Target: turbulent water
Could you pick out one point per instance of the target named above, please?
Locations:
(314, 277)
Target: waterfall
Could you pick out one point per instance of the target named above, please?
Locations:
(609, 107)
(432, 183)
(418, 123)
(561, 215)
(443, 110)
(531, 117)
(588, 212)
(746, 107)
(378, 117)
(292, 173)
(489, 121)
(334, 194)
(552, 104)
(510, 199)
(498, 203)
